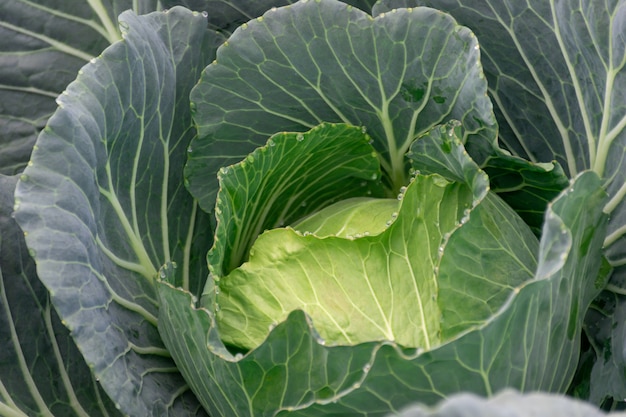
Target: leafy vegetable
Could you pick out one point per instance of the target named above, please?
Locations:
(335, 212)
(372, 378)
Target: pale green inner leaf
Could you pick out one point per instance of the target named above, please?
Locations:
(371, 288)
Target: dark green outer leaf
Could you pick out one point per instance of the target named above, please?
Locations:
(37, 348)
(104, 206)
(508, 404)
(319, 61)
(45, 42)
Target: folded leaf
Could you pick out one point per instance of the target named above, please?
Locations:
(293, 175)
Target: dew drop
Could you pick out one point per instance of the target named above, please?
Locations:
(400, 197)
(299, 137)
(272, 326)
(32, 253)
(244, 26)
(441, 249)
(250, 158)
(23, 177)
(162, 274)
(374, 176)
(205, 14)
(367, 368)
(369, 192)
(394, 215)
(239, 356)
(363, 129)
(271, 142)
(16, 204)
(273, 9)
(402, 189)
